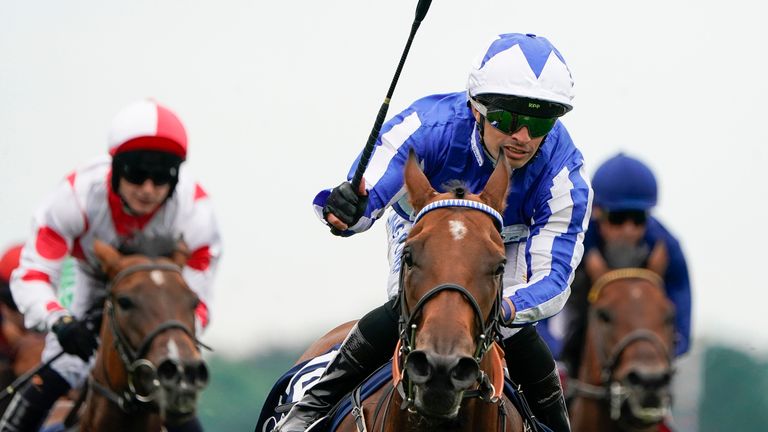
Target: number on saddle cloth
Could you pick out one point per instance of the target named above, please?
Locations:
(290, 387)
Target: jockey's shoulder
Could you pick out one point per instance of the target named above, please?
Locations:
(656, 230)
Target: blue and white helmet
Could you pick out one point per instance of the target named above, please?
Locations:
(520, 71)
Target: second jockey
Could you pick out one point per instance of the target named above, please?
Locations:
(135, 193)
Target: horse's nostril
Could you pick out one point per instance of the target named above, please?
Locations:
(169, 372)
(465, 372)
(649, 380)
(634, 378)
(417, 366)
(200, 374)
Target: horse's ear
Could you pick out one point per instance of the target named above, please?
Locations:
(416, 183)
(180, 254)
(108, 256)
(595, 265)
(658, 260)
(495, 192)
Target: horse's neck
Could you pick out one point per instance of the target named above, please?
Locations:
(101, 415)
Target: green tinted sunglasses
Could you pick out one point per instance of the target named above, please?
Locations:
(509, 122)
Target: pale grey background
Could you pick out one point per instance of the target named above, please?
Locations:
(278, 98)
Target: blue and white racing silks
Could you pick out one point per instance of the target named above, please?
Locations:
(548, 206)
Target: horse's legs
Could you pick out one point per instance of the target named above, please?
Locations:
(29, 407)
(531, 365)
(357, 358)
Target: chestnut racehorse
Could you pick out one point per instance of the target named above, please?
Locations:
(448, 372)
(624, 380)
(148, 370)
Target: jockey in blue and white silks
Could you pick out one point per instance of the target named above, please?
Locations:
(518, 88)
(547, 209)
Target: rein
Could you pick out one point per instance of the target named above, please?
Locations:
(609, 389)
(134, 359)
(487, 391)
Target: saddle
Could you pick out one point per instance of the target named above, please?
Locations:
(290, 387)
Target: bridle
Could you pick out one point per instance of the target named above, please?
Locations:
(134, 359)
(610, 389)
(407, 323)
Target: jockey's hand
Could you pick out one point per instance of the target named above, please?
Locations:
(75, 337)
(507, 311)
(345, 207)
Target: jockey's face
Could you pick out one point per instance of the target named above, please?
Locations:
(627, 232)
(143, 198)
(519, 147)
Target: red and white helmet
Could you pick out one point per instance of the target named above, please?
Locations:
(147, 125)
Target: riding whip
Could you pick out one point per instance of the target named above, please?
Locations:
(365, 157)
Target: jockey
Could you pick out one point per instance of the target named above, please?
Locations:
(517, 89)
(136, 193)
(622, 233)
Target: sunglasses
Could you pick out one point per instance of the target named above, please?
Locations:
(508, 122)
(159, 176)
(620, 217)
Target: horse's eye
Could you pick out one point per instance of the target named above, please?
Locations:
(408, 256)
(669, 320)
(604, 316)
(500, 269)
(125, 303)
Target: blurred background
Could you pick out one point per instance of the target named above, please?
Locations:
(279, 97)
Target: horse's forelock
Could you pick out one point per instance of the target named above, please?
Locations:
(458, 188)
(150, 246)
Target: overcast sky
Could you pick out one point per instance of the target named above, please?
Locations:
(279, 97)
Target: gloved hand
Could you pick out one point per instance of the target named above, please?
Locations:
(346, 205)
(507, 311)
(75, 337)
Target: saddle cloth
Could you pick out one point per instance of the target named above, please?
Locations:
(300, 378)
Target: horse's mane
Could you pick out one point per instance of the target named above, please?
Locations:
(152, 246)
(458, 188)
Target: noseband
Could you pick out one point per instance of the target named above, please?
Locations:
(134, 360)
(407, 324)
(609, 388)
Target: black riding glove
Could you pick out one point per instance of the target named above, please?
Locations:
(345, 204)
(75, 337)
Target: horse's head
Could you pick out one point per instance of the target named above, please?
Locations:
(632, 331)
(150, 320)
(453, 261)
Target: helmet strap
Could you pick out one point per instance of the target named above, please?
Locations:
(481, 130)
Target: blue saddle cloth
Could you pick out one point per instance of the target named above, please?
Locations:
(275, 406)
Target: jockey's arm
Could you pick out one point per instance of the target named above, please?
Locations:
(554, 247)
(678, 288)
(200, 232)
(56, 224)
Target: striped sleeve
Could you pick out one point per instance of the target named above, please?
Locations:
(200, 232)
(54, 228)
(554, 247)
(384, 174)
